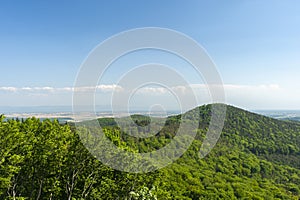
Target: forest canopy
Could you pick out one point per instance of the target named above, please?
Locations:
(256, 157)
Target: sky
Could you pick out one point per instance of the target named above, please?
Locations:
(255, 46)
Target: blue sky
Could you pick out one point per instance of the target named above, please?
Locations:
(254, 44)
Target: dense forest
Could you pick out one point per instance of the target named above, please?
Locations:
(256, 157)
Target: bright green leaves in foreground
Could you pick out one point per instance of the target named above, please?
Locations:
(46, 160)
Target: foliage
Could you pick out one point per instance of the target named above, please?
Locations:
(256, 158)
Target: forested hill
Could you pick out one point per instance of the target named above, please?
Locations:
(256, 157)
(276, 140)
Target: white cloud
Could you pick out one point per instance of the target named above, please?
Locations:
(31, 90)
(26, 88)
(108, 88)
(248, 96)
(152, 90)
(65, 89)
(8, 89)
(204, 87)
(143, 90)
(251, 87)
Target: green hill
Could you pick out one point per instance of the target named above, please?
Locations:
(256, 157)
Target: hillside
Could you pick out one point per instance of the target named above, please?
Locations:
(256, 157)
